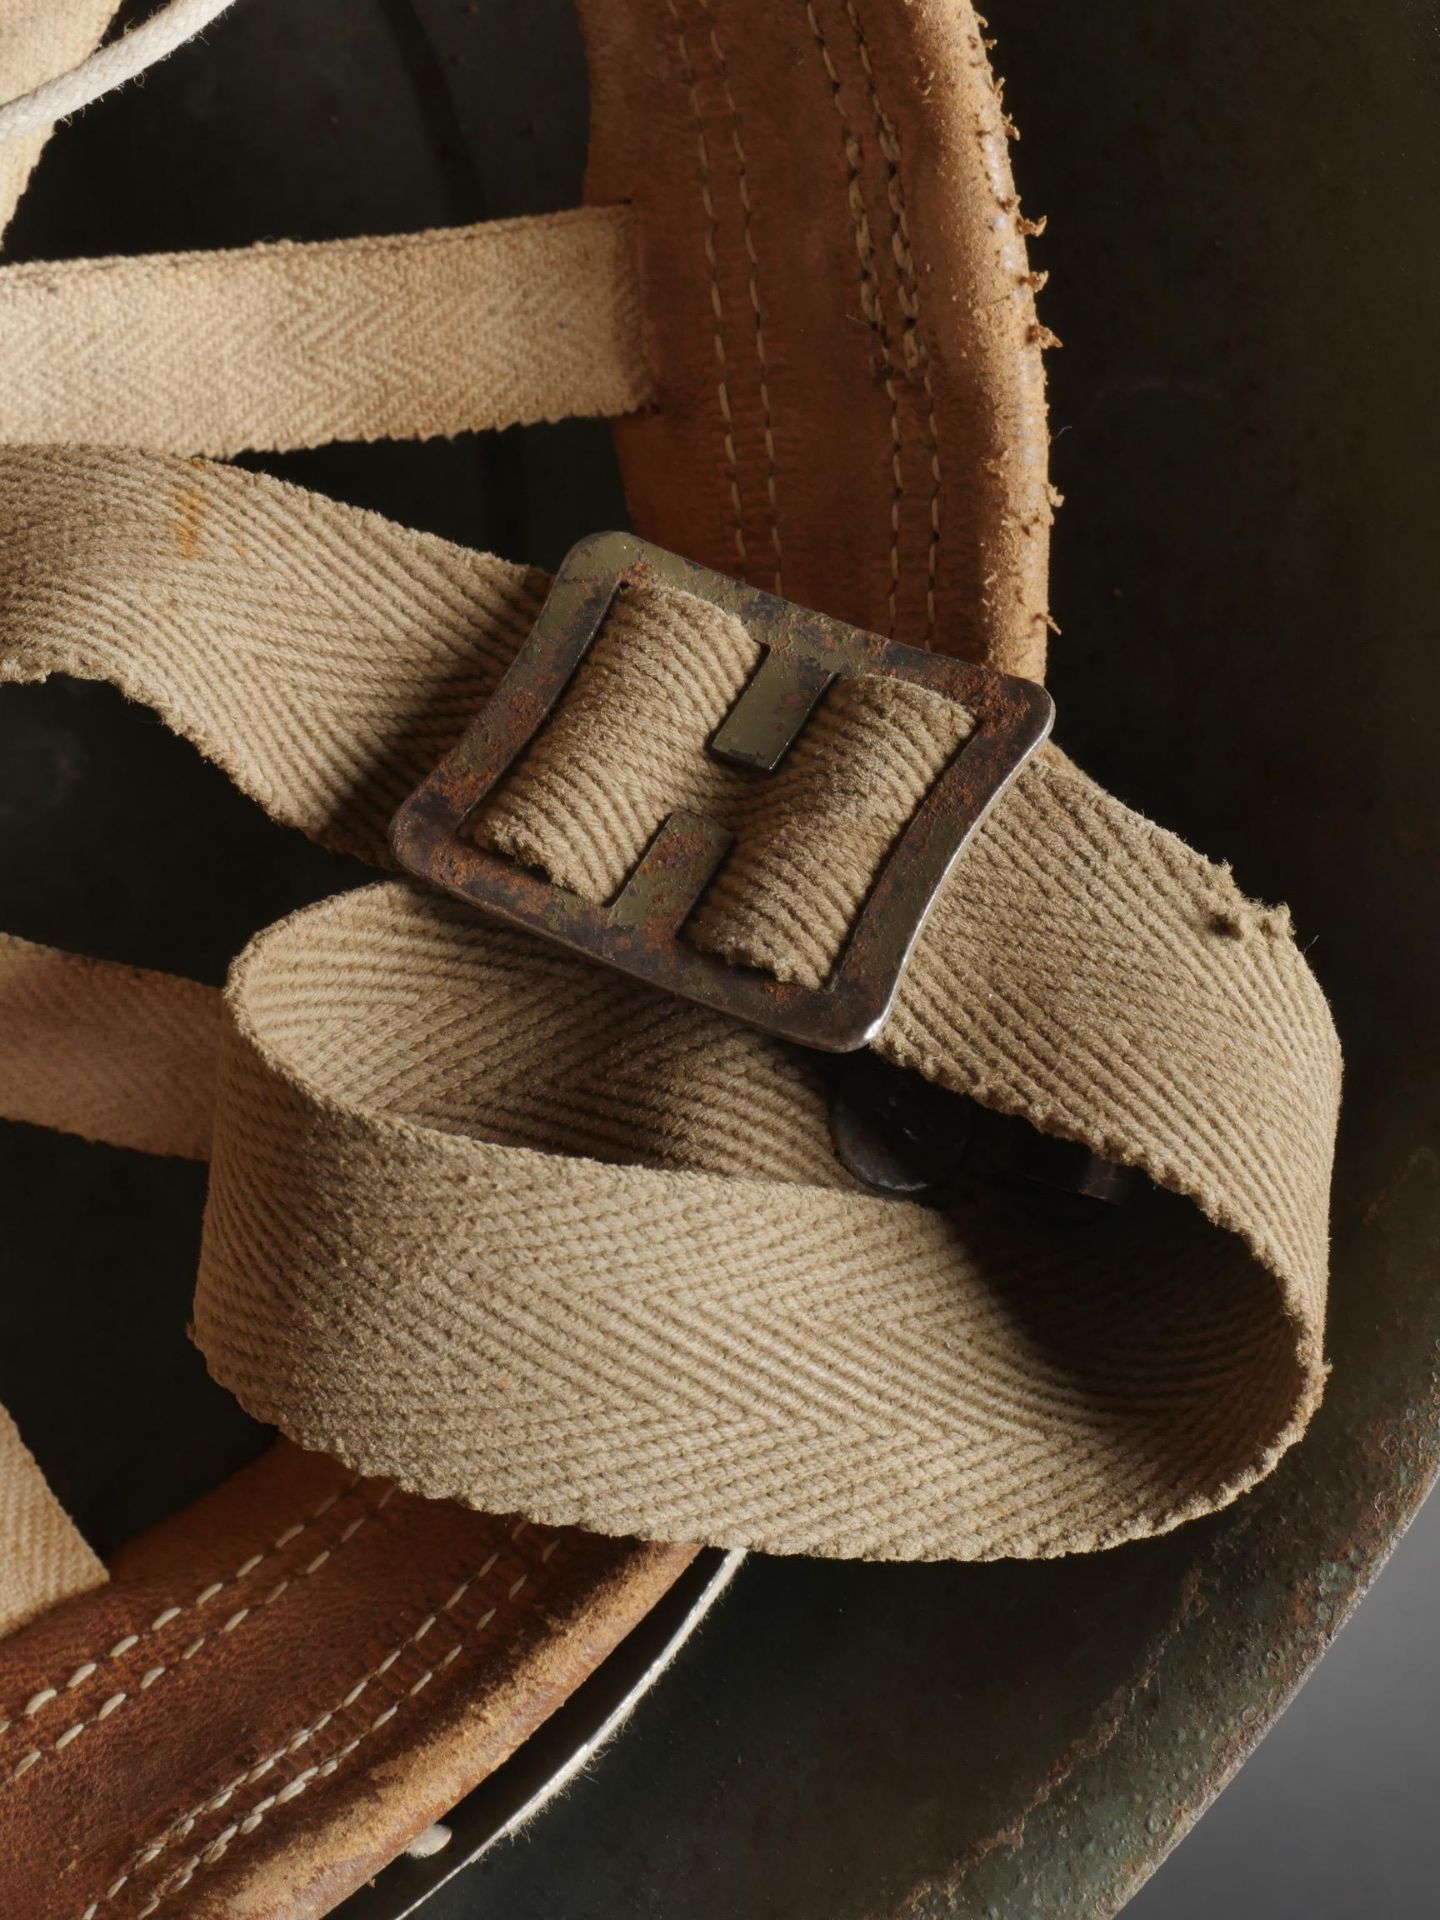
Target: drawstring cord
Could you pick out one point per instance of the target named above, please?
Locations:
(109, 66)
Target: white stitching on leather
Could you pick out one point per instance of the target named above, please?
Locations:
(162, 1619)
(717, 306)
(747, 231)
(72, 1733)
(213, 1849)
(907, 292)
(870, 302)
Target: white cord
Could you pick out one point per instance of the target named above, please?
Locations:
(110, 66)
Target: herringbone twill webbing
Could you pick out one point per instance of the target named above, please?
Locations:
(44, 1556)
(287, 345)
(506, 1227)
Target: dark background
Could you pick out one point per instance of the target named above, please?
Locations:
(1243, 212)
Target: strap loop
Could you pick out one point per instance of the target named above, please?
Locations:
(507, 1228)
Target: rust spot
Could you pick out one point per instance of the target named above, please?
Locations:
(638, 932)
(191, 506)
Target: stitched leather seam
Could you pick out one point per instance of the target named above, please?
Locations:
(215, 1848)
(908, 290)
(48, 1693)
(236, 1620)
(870, 303)
(747, 230)
(716, 303)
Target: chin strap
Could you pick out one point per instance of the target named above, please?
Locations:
(506, 1227)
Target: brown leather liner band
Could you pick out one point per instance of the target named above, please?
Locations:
(839, 309)
(281, 1686)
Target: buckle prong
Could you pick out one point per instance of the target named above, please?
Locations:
(640, 932)
(762, 726)
(673, 872)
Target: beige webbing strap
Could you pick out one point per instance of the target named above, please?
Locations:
(285, 345)
(112, 1053)
(506, 1227)
(44, 1559)
(38, 39)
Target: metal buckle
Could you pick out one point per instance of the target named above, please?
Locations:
(639, 932)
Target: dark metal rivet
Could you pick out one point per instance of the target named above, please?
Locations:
(1067, 1183)
(895, 1130)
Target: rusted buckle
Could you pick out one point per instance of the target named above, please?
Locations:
(640, 931)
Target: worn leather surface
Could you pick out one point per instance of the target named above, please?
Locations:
(281, 1686)
(840, 313)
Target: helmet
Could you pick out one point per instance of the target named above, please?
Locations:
(498, 1227)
